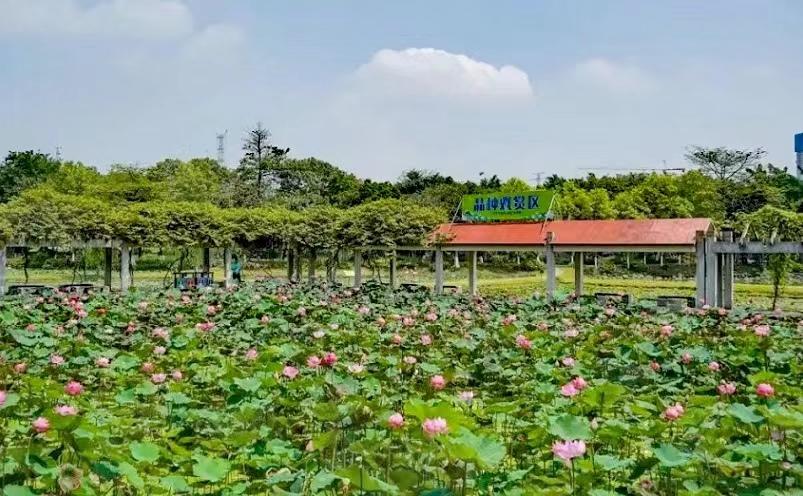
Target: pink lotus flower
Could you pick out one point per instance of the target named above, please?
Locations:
(158, 378)
(673, 412)
(686, 358)
(363, 310)
(722, 312)
(396, 421)
(30, 328)
(568, 362)
(177, 375)
(567, 450)
(251, 354)
(509, 320)
(205, 326)
(579, 383)
(102, 362)
(569, 390)
(159, 350)
(74, 388)
(437, 382)
(762, 330)
(426, 339)
(81, 314)
(543, 326)
(142, 306)
(571, 333)
(610, 312)
(301, 312)
(211, 310)
(57, 360)
(726, 388)
(396, 339)
(318, 334)
(410, 360)
(765, 390)
(148, 367)
(41, 425)
(381, 322)
(466, 396)
(290, 372)
(2, 397)
(356, 368)
(408, 322)
(20, 367)
(66, 410)
(435, 427)
(523, 343)
(431, 317)
(667, 330)
(713, 366)
(655, 366)
(329, 359)
(313, 362)
(160, 333)
(264, 320)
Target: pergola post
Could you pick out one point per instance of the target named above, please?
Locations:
(2, 270)
(291, 263)
(227, 279)
(108, 257)
(549, 256)
(393, 269)
(578, 274)
(313, 258)
(711, 274)
(207, 263)
(726, 282)
(439, 270)
(472, 273)
(125, 267)
(699, 259)
(357, 268)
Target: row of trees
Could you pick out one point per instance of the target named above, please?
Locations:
(723, 184)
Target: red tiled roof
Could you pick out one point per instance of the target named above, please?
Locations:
(649, 232)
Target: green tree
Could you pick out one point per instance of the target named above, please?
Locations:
(724, 164)
(22, 170)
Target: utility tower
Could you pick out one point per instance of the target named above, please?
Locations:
(221, 148)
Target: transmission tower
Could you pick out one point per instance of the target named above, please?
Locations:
(221, 148)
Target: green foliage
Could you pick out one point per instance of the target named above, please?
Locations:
(23, 170)
(389, 223)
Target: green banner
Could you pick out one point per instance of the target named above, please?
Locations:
(526, 205)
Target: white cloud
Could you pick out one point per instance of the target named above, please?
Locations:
(428, 72)
(613, 76)
(214, 42)
(140, 19)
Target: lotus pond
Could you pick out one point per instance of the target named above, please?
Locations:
(273, 389)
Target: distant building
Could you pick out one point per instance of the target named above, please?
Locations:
(799, 154)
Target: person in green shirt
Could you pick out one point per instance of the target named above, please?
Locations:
(236, 270)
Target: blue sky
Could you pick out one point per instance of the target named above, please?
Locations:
(507, 87)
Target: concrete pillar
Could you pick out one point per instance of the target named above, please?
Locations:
(438, 271)
(472, 273)
(456, 260)
(291, 264)
(699, 260)
(108, 257)
(711, 273)
(207, 263)
(578, 274)
(2, 270)
(727, 272)
(313, 259)
(393, 269)
(227, 280)
(549, 256)
(357, 268)
(125, 267)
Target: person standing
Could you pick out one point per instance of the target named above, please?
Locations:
(236, 270)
